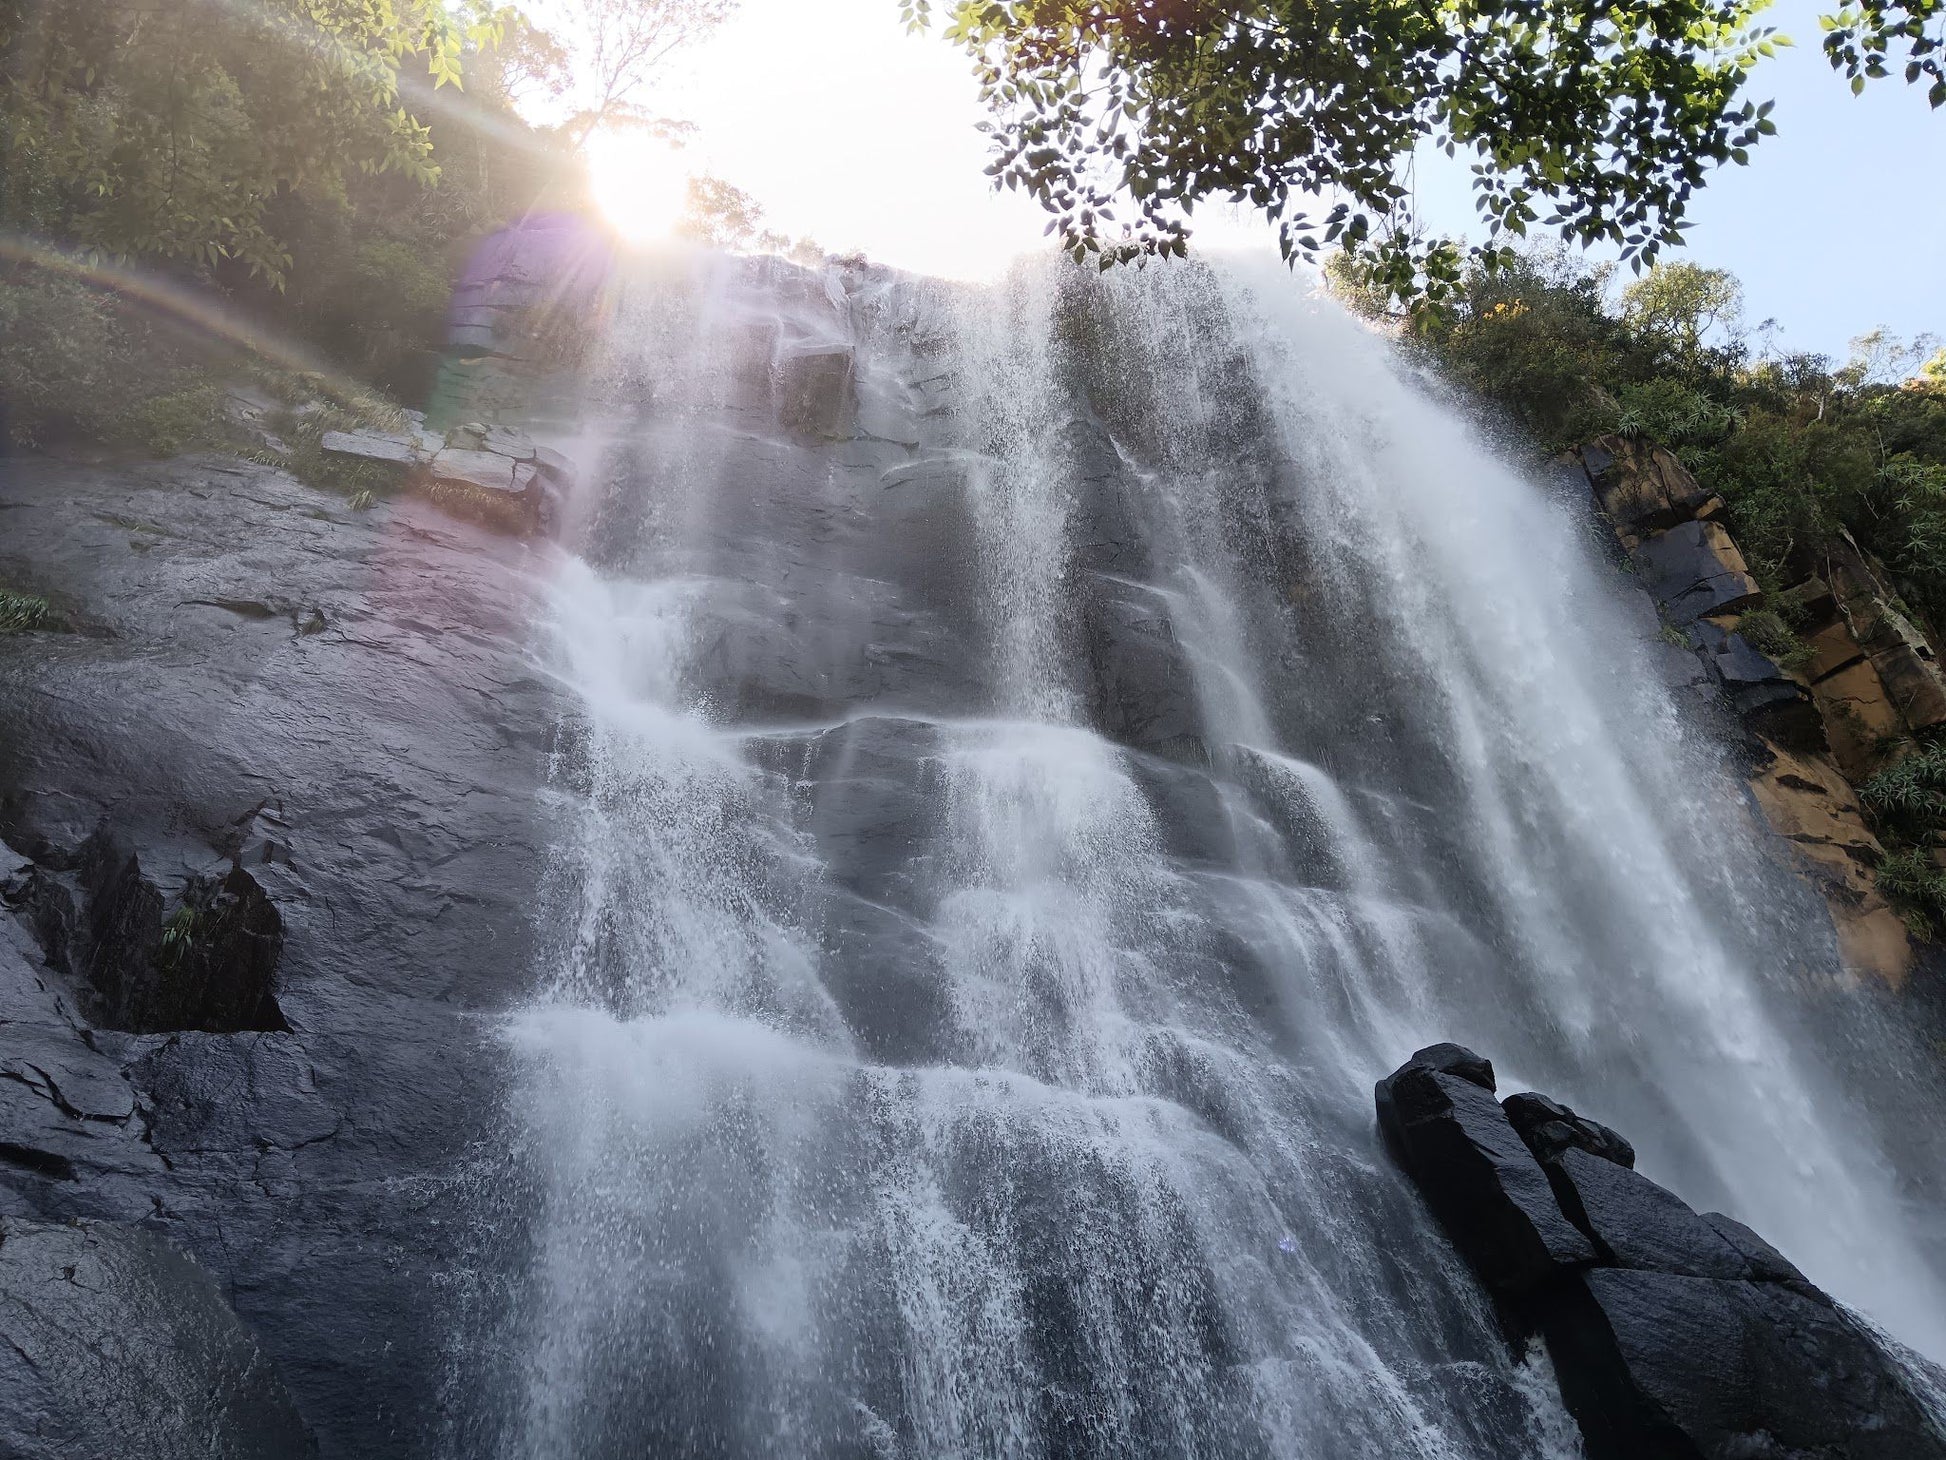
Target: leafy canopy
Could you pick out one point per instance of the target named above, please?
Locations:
(131, 128)
(1861, 39)
(1601, 120)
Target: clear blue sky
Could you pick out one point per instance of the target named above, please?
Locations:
(1839, 222)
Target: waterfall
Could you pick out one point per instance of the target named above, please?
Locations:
(1040, 753)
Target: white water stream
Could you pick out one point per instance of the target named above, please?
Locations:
(1013, 828)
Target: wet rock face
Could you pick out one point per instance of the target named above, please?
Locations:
(117, 1346)
(1868, 681)
(1674, 1335)
(1143, 690)
(274, 805)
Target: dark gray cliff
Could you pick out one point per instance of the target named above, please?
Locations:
(269, 782)
(117, 1345)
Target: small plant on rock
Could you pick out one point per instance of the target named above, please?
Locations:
(20, 612)
(1909, 796)
(1768, 633)
(1917, 888)
(310, 463)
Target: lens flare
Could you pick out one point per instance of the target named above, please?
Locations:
(640, 184)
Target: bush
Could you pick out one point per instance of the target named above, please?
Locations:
(1909, 797)
(1670, 413)
(1798, 451)
(1917, 888)
(1535, 341)
(168, 425)
(67, 358)
(1770, 635)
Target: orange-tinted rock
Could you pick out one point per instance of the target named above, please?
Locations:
(1899, 652)
(1860, 719)
(1832, 648)
(1810, 804)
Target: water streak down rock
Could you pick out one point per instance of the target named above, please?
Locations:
(1675, 1335)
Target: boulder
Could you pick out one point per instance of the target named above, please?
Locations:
(1659, 1366)
(118, 1346)
(1681, 1336)
(1642, 488)
(429, 440)
(477, 436)
(1766, 1263)
(1694, 569)
(1440, 1120)
(1635, 1223)
(486, 488)
(372, 446)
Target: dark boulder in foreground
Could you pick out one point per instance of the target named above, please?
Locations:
(117, 1345)
(1675, 1335)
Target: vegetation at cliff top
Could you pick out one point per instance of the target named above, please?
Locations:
(1600, 122)
(1798, 446)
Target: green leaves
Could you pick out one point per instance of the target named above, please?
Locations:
(1603, 122)
(169, 131)
(1861, 39)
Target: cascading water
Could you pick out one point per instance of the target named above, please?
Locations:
(1041, 753)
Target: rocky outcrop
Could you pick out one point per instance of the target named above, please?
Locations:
(117, 1346)
(1867, 688)
(1693, 570)
(1642, 488)
(493, 476)
(1675, 1335)
(203, 956)
(1440, 1120)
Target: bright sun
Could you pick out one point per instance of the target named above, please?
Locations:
(640, 184)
